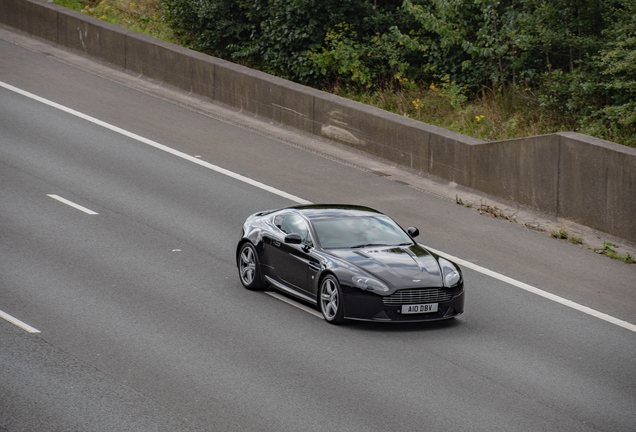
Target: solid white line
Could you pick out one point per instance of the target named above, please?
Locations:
(72, 204)
(298, 200)
(157, 145)
(537, 291)
(17, 322)
(293, 303)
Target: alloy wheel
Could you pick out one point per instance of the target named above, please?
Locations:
(331, 300)
(247, 265)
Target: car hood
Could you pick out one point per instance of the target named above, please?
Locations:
(401, 266)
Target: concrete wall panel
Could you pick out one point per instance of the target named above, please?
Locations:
(203, 74)
(14, 14)
(31, 16)
(524, 170)
(403, 142)
(92, 37)
(450, 157)
(597, 185)
(42, 21)
(372, 130)
(159, 60)
(264, 95)
(289, 105)
(235, 88)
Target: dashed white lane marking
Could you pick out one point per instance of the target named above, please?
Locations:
(298, 200)
(72, 204)
(17, 322)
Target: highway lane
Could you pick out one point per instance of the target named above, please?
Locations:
(146, 294)
(166, 116)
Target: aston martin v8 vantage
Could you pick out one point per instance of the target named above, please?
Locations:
(352, 262)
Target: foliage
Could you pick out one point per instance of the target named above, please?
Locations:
(502, 115)
(273, 35)
(508, 43)
(376, 58)
(608, 250)
(72, 4)
(217, 27)
(560, 233)
(143, 16)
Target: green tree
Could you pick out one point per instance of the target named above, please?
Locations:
(273, 35)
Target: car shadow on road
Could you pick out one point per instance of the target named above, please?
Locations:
(403, 327)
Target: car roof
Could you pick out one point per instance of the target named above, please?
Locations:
(324, 211)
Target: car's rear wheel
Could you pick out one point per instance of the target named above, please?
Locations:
(331, 301)
(249, 270)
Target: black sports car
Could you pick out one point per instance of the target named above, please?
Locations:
(352, 262)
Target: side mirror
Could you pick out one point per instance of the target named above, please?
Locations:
(293, 238)
(413, 232)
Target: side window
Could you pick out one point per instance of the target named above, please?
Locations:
(294, 224)
(278, 221)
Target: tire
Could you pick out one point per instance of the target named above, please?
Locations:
(330, 300)
(248, 267)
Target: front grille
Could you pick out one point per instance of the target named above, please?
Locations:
(417, 295)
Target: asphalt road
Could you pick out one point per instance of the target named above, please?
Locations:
(144, 324)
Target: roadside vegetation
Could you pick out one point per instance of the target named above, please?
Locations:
(488, 69)
(608, 250)
(143, 16)
(561, 233)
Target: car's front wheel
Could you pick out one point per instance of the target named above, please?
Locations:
(331, 301)
(249, 270)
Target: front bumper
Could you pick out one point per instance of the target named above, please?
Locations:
(366, 306)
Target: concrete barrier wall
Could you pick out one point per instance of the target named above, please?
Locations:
(574, 176)
(387, 135)
(524, 170)
(597, 184)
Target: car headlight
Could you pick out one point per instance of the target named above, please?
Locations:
(450, 274)
(370, 284)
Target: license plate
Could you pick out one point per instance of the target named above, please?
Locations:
(419, 308)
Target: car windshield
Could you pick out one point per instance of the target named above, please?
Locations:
(361, 231)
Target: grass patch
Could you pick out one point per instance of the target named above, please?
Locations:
(459, 201)
(490, 117)
(608, 250)
(142, 16)
(76, 5)
(576, 240)
(493, 212)
(560, 233)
